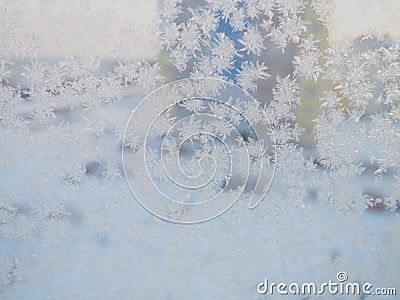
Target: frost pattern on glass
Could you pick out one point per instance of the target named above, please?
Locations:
(71, 76)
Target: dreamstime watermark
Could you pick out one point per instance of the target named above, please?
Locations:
(193, 147)
(333, 287)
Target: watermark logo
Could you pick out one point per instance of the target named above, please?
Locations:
(340, 286)
(193, 147)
